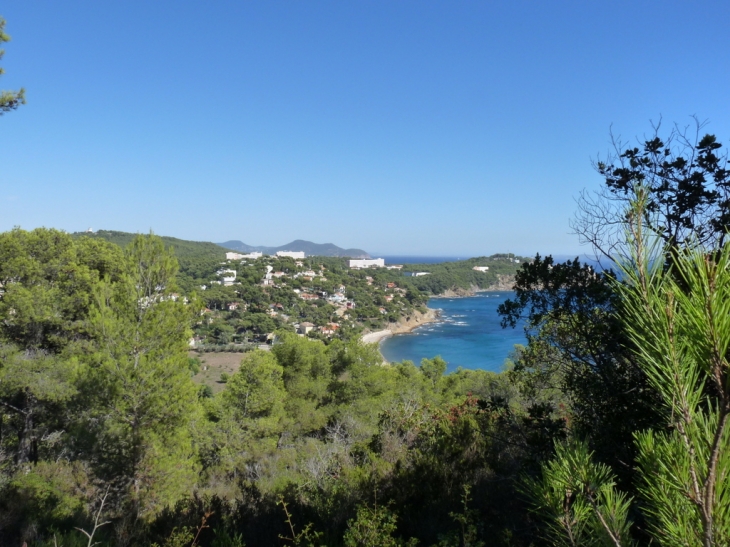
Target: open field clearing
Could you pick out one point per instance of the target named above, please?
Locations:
(212, 365)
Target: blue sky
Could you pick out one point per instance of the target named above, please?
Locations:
(409, 127)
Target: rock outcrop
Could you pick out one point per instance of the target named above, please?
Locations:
(505, 282)
(413, 320)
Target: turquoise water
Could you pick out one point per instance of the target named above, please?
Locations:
(469, 335)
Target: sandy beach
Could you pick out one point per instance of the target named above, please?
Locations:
(377, 336)
(406, 324)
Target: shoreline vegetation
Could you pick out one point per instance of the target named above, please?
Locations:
(112, 344)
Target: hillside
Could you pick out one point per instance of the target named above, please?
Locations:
(460, 278)
(197, 259)
(311, 249)
(183, 248)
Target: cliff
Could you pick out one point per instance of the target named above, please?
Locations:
(413, 320)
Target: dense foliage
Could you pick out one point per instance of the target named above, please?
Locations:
(460, 277)
(100, 417)
(197, 259)
(642, 356)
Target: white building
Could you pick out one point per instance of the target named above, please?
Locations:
(481, 268)
(239, 256)
(267, 278)
(228, 276)
(291, 254)
(367, 263)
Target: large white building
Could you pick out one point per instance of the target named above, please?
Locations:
(367, 263)
(291, 254)
(239, 256)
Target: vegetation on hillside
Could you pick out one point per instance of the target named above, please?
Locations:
(461, 275)
(99, 406)
(307, 247)
(197, 259)
(338, 301)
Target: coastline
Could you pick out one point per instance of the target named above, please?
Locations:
(407, 324)
(418, 319)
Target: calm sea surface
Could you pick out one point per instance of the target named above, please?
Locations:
(468, 336)
(411, 259)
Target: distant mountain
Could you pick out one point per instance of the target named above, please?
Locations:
(311, 249)
(202, 249)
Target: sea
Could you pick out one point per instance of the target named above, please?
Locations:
(468, 334)
(409, 259)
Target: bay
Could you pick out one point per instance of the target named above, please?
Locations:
(468, 335)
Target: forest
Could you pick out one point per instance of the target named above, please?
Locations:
(608, 428)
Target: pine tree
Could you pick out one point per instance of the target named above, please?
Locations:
(142, 396)
(9, 100)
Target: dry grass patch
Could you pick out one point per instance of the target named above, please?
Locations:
(212, 365)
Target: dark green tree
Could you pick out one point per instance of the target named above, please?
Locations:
(578, 342)
(46, 285)
(678, 321)
(686, 176)
(138, 381)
